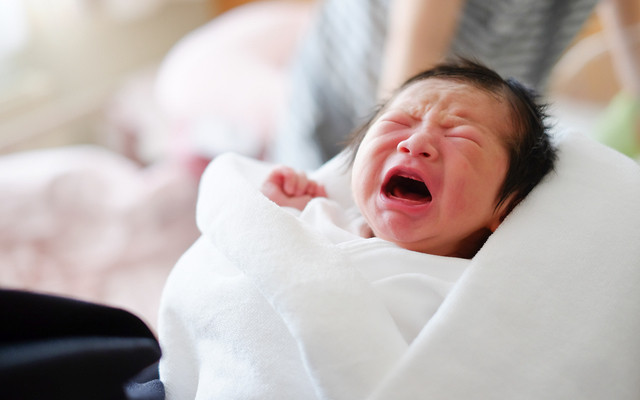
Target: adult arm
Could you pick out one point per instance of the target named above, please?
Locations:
(419, 35)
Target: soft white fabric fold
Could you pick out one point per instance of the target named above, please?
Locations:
(266, 306)
(308, 281)
(550, 307)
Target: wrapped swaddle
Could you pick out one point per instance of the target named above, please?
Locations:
(269, 305)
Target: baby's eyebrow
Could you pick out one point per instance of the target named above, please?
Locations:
(398, 113)
(455, 119)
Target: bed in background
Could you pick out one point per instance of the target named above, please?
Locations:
(88, 223)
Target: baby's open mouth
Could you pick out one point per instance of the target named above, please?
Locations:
(408, 188)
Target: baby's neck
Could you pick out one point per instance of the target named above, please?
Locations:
(366, 231)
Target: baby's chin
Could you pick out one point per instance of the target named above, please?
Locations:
(466, 248)
(418, 246)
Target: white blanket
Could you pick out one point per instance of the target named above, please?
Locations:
(266, 306)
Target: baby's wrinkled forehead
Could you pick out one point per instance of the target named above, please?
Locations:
(446, 92)
(457, 98)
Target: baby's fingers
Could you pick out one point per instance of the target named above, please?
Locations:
(314, 189)
(291, 183)
(321, 191)
(294, 183)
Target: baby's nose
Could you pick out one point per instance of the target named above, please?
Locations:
(419, 144)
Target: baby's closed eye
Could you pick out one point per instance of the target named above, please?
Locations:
(463, 133)
(397, 118)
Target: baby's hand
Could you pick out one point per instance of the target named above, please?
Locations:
(289, 188)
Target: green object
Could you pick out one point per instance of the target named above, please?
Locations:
(619, 126)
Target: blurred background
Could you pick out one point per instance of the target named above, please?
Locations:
(97, 199)
(61, 63)
(97, 184)
(64, 66)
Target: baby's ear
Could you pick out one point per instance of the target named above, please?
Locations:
(495, 224)
(501, 212)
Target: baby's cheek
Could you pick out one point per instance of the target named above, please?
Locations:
(462, 189)
(355, 186)
(358, 193)
(459, 199)
(470, 197)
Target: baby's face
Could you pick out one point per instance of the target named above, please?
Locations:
(428, 171)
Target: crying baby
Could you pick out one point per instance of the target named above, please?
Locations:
(442, 162)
